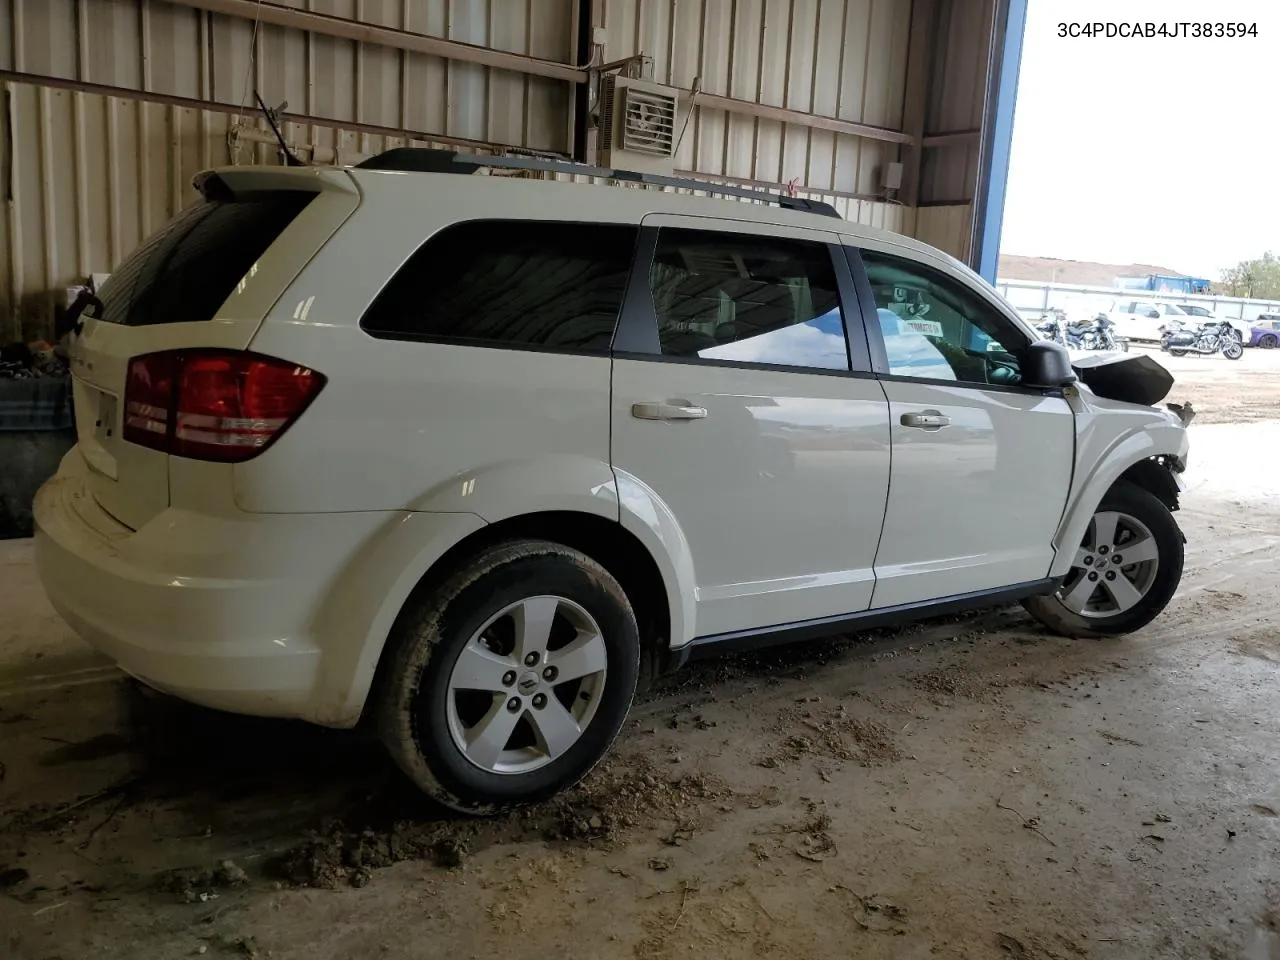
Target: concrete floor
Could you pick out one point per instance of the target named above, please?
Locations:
(968, 788)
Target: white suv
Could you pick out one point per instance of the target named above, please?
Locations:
(472, 455)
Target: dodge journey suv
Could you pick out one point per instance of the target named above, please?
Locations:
(472, 456)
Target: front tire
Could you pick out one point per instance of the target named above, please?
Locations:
(511, 681)
(1232, 350)
(1124, 573)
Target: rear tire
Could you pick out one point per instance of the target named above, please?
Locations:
(1268, 341)
(1127, 595)
(511, 681)
(1177, 353)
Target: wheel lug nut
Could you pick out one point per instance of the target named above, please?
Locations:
(1088, 561)
(508, 678)
(1104, 550)
(531, 660)
(513, 704)
(540, 700)
(550, 674)
(1116, 558)
(1094, 575)
(1111, 574)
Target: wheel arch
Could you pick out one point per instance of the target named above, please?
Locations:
(1156, 476)
(1150, 459)
(603, 540)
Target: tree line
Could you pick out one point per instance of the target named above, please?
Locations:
(1257, 279)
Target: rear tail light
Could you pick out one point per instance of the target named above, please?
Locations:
(214, 405)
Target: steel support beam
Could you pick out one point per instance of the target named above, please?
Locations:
(783, 115)
(956, 138)
(345, 29)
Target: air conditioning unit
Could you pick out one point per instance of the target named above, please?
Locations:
(637, 125)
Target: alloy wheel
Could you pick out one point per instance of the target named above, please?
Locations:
(1113, 569)
(527, 685)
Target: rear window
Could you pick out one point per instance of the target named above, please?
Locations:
(523, 283)
(185, 272)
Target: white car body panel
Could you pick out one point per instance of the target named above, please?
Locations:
(270, 586)
(1110, 438)
(805, 455)
(973, 506)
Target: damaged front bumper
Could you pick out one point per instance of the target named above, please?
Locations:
(1185, 412)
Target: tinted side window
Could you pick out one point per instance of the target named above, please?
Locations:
(724, 296)
(186, 271)
(935, 327)
(510, 282)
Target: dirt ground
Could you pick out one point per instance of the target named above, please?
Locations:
(966, 788)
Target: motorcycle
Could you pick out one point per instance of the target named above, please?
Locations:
(1097, 333)
(1209, 338)
(1050, 328)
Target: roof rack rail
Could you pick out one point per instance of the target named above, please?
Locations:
(427, 160)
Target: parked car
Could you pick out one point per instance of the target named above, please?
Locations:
(474, 455)
(1265, 331)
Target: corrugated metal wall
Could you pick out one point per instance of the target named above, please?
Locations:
(112, 105)
(837, 58)
(152, 46)
(957, 97)
(946, 227)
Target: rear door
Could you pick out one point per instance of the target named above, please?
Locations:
(736, 404)
(981, 464)
(206, 279)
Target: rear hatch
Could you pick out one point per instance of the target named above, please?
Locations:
(207, 280)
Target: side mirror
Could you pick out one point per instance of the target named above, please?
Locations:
(1046, 363)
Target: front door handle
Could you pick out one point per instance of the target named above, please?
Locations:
(667, 411)
(927, 420)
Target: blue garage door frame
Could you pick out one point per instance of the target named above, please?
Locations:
(997, 128)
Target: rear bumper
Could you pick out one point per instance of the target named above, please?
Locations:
(221, 611)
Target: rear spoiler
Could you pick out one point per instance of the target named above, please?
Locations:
(226, 183)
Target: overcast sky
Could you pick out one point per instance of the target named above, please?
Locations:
(1155, 151)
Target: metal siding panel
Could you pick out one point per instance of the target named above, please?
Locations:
(715, 62)
(956, 98)
(740, 144)
(172, 52)
(468, 82)
(8, 34)
(945, 227)
(827, 62)
(147, 45)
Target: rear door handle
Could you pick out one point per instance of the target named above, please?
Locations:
(667, 411)
(928, 420)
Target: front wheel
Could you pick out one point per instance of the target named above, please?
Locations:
(1124, 573)
(511, 681)
(1232, 350)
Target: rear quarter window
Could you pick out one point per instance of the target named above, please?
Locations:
(515, 283)
(186, 271)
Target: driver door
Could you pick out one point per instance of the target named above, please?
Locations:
(981, 465)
